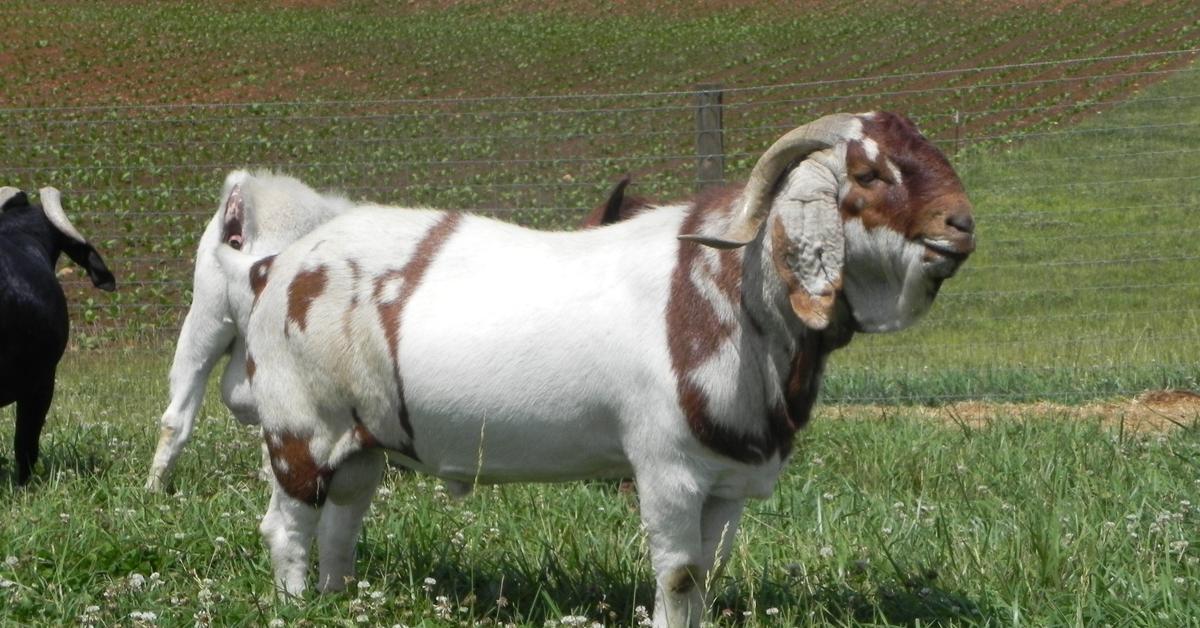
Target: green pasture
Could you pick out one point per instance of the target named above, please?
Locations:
(1028, 520)
(1084, 286)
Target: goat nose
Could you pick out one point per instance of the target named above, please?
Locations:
(963, 222)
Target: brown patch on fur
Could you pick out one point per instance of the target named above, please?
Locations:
(251, 367)
(695, 333)
(306, 286)
(296, 470)
(683, 579)
(361, 433)
(259, 273)
(391, 312)
(928, 181)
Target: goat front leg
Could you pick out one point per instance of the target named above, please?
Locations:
(350, 492)
(718, 529)
(288, 528)
(202, 341)
(671, 513)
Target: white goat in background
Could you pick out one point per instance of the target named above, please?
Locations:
(683, 346)
(261, 213)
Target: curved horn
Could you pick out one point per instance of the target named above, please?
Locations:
(52, 206)
(816, 135)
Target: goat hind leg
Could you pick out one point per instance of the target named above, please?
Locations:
(288, 528)
(350, 491)
(202, 341)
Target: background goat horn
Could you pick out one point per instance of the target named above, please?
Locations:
(52, 206)
(816, 135)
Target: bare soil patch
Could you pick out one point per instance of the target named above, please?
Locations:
(1152, 411)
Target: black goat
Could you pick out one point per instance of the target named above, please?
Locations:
(33, 308)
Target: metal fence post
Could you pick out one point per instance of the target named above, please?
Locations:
(710, 140)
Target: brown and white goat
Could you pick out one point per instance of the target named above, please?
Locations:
(683, 346)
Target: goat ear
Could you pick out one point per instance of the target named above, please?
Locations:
(808, 245)
(11, 197)
(89, 259)
(233, 218)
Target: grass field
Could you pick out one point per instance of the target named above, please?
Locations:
(1082, 172)
(1014, 517)
(899, 507)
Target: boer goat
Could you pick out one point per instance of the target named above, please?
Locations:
(267, 211)
(33, 309)
(683, 346)
(260, 213)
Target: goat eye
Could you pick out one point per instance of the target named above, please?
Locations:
(865, 178)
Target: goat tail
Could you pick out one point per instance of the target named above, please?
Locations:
(245, 278)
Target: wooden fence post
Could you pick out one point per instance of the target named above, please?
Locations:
(710, 140)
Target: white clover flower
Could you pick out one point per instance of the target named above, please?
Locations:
(825, 552)
(11, 561)
(771, 612)
(276, 623)
(136, 581)
(4, 584)
(363, 584)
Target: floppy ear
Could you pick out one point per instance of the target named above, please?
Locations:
(808, 243)
(12, 197)
(86, 256)
(75, 245)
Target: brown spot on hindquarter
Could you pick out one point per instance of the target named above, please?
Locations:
(361, 433)
(259, 272)
(391, 309)
(251, 367)
(296, 469)
(306, 286)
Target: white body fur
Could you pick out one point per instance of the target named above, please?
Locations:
(532, 356)
(280, 210)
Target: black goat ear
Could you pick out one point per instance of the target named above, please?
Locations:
(11, 198)
(86, 256)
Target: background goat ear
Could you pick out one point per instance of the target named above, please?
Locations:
(808, 245)
(11, 197)
(86, 256)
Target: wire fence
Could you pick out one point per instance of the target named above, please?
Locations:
(1083, 173)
